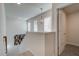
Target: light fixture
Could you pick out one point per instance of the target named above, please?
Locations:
(41, 12)
(41, 15)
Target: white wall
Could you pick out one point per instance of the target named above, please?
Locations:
(2, 29)
(38, 43)
(35, 43)
(49, 43)
(73, 29)
(14, 26)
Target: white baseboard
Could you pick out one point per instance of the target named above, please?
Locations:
(72, 43)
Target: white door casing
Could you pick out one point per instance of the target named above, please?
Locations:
(62, 30)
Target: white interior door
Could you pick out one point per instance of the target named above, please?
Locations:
(62, 30)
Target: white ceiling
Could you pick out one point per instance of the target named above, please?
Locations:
(25, 10)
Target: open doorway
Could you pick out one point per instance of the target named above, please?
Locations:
(68, 39)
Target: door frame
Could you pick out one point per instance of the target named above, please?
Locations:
(58, 26)
(58, 33)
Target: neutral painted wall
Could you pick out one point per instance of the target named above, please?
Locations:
(39, 43)
(49, 43)
(14, 26)
(35, 43)
(2, 29)
(73, 29)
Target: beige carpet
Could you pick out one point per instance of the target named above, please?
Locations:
(27, 53)
(70, 50)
